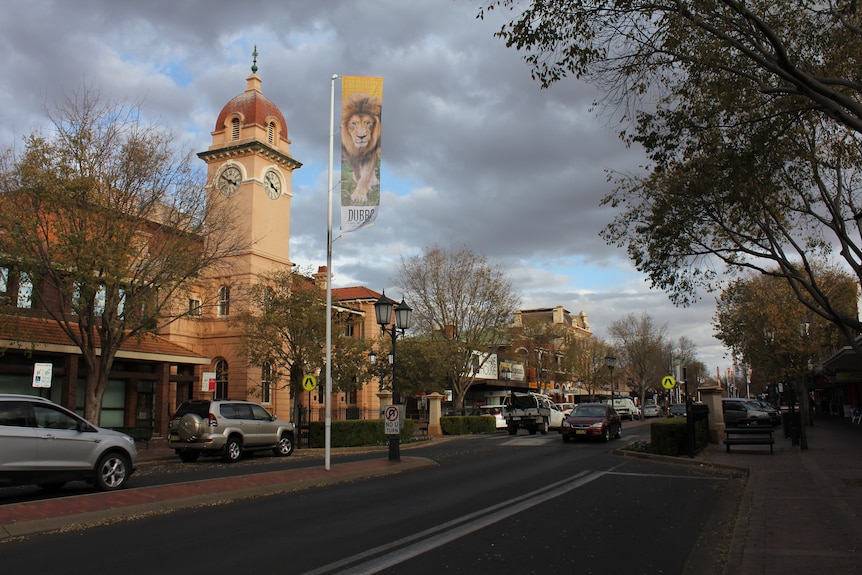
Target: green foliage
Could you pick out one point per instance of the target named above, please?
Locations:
(424, 364)
(356, 433)
(467, 424)
(670, 436)
(750, 116)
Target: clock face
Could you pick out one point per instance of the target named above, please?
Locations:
(229, 180)
(272, 185)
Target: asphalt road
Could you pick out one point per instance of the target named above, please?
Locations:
(494, 504)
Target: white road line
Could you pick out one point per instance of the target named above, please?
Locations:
(406, 548)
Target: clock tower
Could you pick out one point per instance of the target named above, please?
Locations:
(249, 168)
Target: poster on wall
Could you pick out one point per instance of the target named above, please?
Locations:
(42, 374)
(208, 381)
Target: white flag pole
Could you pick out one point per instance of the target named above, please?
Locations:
(328, 399)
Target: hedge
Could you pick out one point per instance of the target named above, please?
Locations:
(355, 433)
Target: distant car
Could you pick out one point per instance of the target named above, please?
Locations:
(676, 410)
(566, 408)
(45, 444)
(495, 411)
(743, 414)
(651, 410)
(227, 428)
(773, 413)
(592, 420)
(626, 408)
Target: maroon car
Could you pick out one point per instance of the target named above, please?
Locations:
(595, 420)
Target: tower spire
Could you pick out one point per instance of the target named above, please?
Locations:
(254, 62)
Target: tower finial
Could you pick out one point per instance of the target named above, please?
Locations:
(254, 63)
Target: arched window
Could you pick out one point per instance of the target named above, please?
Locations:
(221, 379)
(271, 133)
(224, 301)
(266, 377)
(234, 129)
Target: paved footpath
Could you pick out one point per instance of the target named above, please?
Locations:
(801, 511)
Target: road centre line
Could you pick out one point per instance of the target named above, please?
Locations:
(395, 552)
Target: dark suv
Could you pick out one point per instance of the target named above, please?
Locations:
(227, 427)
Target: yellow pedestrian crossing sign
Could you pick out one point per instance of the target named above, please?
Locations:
(668, 382)
(309, 382)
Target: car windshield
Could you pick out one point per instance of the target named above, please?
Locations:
(590, 411)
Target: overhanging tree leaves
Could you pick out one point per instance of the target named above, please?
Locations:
(750, 115)
(461, 296)
(109, 224)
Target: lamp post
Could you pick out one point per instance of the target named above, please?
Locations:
(403, 315)
(611, 362)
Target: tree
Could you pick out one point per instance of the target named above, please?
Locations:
(459, 295)
(285, 328)
(107, 226)
(750, 116)
(584, 359)
(640, 344)
(768, 330)
(424, 364)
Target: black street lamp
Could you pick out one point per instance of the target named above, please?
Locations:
(403, 316)
(611, 362)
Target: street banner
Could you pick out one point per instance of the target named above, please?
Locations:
(361, 102)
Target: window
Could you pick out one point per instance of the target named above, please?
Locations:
(221, 379)
(25, 291)
(234, 129)
(266, 383)
(268, 299)
(271, 132)
(349, 327)
(194, 307)
(4, 280)
(223, 301)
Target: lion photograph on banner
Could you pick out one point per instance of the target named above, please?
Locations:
(360, 148)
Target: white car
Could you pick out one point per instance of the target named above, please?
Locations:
(495, 411)
(566, 408)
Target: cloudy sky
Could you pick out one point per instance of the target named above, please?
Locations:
(474, 153)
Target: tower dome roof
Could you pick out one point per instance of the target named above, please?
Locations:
(253, 106)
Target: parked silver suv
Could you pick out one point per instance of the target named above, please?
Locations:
(45, 444)
(227, 427)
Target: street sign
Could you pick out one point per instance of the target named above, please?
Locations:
(392, 420)
(668, 382)
(42, 373)
(309, 382)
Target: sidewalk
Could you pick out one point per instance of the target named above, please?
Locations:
(802, 510)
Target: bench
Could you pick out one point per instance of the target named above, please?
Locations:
(422, 428)
(748, 436)
(139, 434)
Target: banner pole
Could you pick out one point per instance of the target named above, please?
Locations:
(328, 398)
